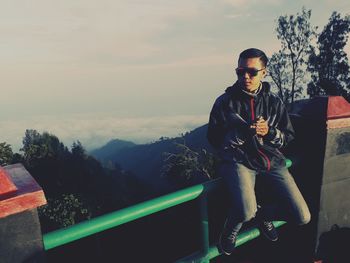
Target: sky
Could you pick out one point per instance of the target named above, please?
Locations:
(93, 70)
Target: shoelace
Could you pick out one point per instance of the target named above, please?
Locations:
(268, 225)
(232, 235)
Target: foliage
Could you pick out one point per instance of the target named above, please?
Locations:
(78, 150)
(287, 67)
(277, 71)
(186, 164)
(6, 154)
(64, 211)
(75, 184)
(330, 67)
(38, 146)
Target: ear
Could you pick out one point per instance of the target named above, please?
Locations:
(264, 73)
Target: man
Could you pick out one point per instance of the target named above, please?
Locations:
(248, 125)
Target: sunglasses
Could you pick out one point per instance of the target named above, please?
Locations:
(252, 72)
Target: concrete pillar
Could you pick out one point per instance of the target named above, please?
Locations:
(322, 165)
(20, 233)
(335, 186)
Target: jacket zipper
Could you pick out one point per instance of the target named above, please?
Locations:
(259, 151)
(252, 109)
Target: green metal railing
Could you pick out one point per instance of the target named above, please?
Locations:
(107, 221)
(110, 220)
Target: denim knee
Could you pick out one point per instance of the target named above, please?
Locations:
(304, 218)
(248, 215)
(241, 215)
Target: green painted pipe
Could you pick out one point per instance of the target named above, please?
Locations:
(204, 225)
(213, 252)
(107, 221)
(288, 163)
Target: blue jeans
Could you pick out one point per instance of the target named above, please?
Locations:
(239, 180)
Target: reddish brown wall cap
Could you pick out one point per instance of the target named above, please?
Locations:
(28, 194)
(6, 185)
(338, 107)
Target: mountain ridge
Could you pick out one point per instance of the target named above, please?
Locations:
(146, 160)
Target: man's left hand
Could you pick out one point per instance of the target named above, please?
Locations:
(262, 128)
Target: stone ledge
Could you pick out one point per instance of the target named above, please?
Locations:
(29, 194)
(6, 185)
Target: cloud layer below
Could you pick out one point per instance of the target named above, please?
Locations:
(94, 131)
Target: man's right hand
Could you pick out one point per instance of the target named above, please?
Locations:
(262, 127)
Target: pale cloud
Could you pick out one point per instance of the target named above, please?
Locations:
(85, 34)
(237, 3)
(79, 31)
(237, 16)
(251, 3)
(347, 48)
(95, 130)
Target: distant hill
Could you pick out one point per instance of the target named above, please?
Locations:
(108, 151)
(146, 160)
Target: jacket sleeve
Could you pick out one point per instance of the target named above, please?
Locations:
(222, 131)
(281, 131)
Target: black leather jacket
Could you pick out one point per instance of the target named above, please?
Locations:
(229, 127)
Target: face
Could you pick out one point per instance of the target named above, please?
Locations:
(247, 68)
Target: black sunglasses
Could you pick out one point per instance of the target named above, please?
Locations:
(251, 71)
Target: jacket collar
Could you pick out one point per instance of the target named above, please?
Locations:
(236, 89)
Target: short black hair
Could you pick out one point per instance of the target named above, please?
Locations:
(254, 53)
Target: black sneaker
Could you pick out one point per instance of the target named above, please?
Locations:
(269, 230)
(227, 240)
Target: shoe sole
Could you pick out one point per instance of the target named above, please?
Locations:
(222, 250)
(267, 237)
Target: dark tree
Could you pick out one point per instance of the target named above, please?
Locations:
(186, 166)
(288, 66)
(278, 73)
(78, 150)
(63, 211)
(6, 154)
(329, 67)
(76, 185)
(38, 146)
